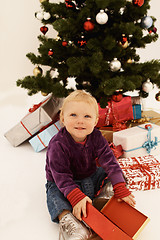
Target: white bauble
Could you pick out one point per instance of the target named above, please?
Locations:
(147, 86)
(146, 22)
(115, 65)
(46, 16)
(39, 15)
(101, 17)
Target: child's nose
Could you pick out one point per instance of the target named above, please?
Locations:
(80, 120)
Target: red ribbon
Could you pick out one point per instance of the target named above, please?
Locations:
(35, 107)
(143, 168)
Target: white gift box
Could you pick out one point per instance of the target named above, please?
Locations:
(39, 116)
(139, 141)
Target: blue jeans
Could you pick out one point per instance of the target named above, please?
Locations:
(56, 201)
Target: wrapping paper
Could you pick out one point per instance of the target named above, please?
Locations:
(39, 116)
(138, 141)
(142, 173)
(115, 112)
(119, 111)
(154, 117)
(136, 111)
(41, 140)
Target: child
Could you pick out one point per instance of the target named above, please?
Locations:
(73, 177)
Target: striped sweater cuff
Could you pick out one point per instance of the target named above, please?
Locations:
(120, 190)
(75, 196)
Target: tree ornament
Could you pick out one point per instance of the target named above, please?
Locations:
(50, 52)
(46, 15)
(146, 22)
(88, 25)
(138, 3)
(115, 65)
(37, 70)
(44, 94)
(101, 17)
(124, 41)
(41, 1)
(157, 96)
(64, 43)
(44, 29)
(70, 4)
(152, 30)
(147, 86)
(129, 60)
(82, 42)
(117, 96)
(39, 15)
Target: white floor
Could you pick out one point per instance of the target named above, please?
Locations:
(23, 210)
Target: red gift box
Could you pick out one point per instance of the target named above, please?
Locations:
(142, 173)
(119, 111)
(115, 112)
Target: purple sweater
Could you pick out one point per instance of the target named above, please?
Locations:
(68, 161)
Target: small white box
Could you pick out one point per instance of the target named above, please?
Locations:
(138, 141)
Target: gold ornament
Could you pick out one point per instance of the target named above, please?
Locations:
(37, 70)
(129, 60)
(44, 94)
(41, 1)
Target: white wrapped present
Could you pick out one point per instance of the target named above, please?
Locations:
(139, 141)
(39, 116)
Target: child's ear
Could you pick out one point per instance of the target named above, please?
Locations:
(61, 117)
(96, 121)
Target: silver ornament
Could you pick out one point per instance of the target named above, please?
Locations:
(47, 15)
(101, 17)
(115, 65)
(39, 15)
(147, 86)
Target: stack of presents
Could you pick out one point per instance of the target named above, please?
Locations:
(134, 137)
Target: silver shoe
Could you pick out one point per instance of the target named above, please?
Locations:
(103, 197)
(72, 229)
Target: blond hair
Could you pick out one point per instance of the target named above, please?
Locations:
(80, 96)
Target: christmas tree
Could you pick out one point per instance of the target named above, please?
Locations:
(96, 44)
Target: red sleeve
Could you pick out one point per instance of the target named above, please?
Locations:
(120, 190)
(75, 196)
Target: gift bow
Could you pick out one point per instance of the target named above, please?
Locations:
(35, 106)
(149, 144)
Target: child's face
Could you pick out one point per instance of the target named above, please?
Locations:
(79, 118)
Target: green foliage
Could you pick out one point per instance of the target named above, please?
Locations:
(90, 64)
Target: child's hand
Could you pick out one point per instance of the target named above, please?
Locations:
(80, 208)
(129, 199)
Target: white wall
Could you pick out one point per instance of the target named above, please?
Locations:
(19, 31)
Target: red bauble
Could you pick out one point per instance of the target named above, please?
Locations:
(50, 52)
(138, 3)
(69, 4)
(64, 43)
(147, 126)
(152, 30)
(88, 25)
(44, 29)
(117, 97)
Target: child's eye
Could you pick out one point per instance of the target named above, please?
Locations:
(87, 116)
(73, 115)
